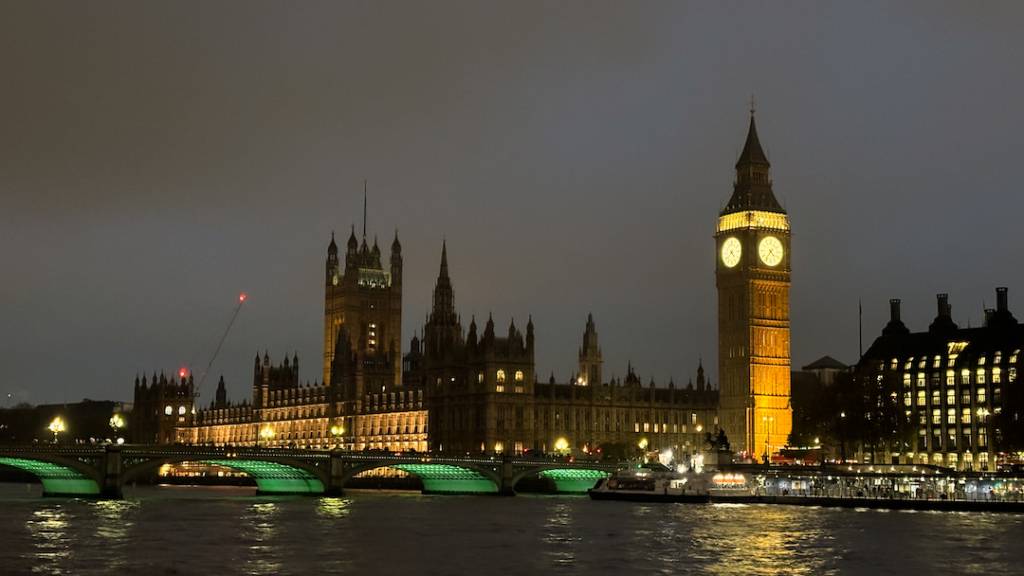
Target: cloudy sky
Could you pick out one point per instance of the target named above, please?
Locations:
(158, 159)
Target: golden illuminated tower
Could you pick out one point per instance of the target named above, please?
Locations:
(753, 277)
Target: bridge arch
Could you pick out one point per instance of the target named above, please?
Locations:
(575, 479)
(272, 475)
(437, 477)
(60, 475)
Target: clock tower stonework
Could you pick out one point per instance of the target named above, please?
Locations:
(753, 277)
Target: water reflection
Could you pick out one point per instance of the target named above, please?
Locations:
(114, 521)
(332, 508)
(264, 558)
(48, 528)
(558, 535)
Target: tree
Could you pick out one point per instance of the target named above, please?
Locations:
(1009, 421)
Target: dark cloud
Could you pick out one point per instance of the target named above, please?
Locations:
(157, 159)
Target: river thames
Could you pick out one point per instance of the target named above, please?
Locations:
(226, 530)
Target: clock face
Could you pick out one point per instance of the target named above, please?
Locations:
(770, 250)
(335, 280)
(731, 250)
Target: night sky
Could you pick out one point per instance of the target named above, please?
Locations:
(158, 159)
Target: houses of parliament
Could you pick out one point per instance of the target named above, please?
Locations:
(475, 388)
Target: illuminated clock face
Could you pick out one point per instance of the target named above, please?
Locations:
(770, 250)
(731, 250)
(335, 279)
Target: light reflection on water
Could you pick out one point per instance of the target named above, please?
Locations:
(231, 531)
(48, 528)
(560, 535)
(263, 558)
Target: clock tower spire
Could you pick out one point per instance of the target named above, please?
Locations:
(753, 277)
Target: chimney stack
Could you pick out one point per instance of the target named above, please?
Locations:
(1001, 299)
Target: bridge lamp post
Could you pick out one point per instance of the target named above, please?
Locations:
(116, 423)
(336, 432)
(57, 426)
(562, 446)
(266, 434)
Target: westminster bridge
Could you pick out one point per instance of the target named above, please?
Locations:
(103, 470)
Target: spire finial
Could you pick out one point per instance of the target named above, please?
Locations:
(751, 103)
(364, 209)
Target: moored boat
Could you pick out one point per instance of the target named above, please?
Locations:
(647, 485)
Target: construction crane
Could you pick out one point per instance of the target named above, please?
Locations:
(202, 377)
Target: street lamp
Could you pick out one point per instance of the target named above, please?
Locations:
(562, 446)
(116, 423)
(336, 432)
(266, 434)
(57, 426)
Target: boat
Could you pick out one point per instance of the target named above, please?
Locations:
(662, 485)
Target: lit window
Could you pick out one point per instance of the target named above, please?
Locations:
(938, 361)
(965, 376)
(519, 375)
(981, 375)
(936, 398)
(480, 378)
(921, 364)
(906, 380)
(909, 364)
(951, 416)
(181, 410)
(501, 375)
(1011, 374)
(937, 417)
(996, 375)
(921, 398)
(981, 361)
(920, 378)
(981, 395)
(965, 417)
(895, 364)
(950, 396)
(950, 378)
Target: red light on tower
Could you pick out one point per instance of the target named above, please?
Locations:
(182, 372)
(241, 298)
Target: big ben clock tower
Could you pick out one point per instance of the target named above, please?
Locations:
(753, 276)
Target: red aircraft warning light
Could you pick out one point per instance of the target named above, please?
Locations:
(241, 298)
(182, 372)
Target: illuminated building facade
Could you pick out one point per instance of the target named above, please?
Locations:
(361, 403)
(753, 277)
(161, 407)
(364, 299)
(953, 381)
(483, 394)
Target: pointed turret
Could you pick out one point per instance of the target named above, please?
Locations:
(471, 337)
(753, 187)
(353, 244)
(444, 296)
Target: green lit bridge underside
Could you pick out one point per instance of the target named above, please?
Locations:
(573, 480)
(57, 480)
(102, 471)
(274, 478)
